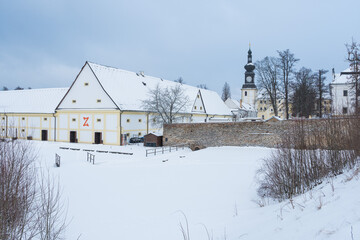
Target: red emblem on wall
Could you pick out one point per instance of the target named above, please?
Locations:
(86, 124)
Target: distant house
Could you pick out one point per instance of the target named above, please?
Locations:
(342, 94)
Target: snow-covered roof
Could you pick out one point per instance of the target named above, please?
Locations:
(341, 79)
(247, 107)
(129, 89)
(42, 100)
(232, 103)
(273, 117)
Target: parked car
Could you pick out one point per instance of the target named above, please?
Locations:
(136, 140)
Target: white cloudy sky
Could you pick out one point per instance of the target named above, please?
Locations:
(44, 43)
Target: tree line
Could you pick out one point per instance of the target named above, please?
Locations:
(17, 88)
(303, 88)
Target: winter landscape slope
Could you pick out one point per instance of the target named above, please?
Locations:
(138, 197)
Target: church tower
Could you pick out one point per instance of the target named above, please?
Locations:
(249, 90)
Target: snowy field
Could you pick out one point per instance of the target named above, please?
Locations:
(138, 197)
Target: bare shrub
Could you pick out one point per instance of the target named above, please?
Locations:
(309, 152)
(29, 209)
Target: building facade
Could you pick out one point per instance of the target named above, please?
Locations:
(102, 106)
(342, 94)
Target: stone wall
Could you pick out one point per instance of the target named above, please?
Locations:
(266, 134)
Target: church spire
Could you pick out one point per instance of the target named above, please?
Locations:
(249, 74)
(249, 54)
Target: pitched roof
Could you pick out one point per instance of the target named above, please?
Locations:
(341, 79)
(129, 89)
(42, 100)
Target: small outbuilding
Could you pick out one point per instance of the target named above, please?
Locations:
(152, 140)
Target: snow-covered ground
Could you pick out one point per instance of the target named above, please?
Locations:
(138, 197)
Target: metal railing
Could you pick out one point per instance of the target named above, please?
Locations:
(165, 149)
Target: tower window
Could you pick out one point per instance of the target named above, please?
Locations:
(261, 109)
(139, 133)
(86, 84)
(98, 100)
(195, 107)
(345, 93)
(98, 120)
(198, 96)
(200, 108)
(73, 101)
(264, 108)
(245, 93)
(23, 118)
(345, 110)
(260, 101)
(45, 119)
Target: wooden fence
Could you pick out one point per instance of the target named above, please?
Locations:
(90, 157)
(57, 160)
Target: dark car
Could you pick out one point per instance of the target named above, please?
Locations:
(136, 140)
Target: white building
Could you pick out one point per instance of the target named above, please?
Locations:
(342, 94)
(103, 105)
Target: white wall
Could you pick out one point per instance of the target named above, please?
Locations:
(339, 101)
(86, 96)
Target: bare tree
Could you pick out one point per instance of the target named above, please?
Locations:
(287, 62)
(203, 86)
(5, 88)
(268, 72)
(28, 209)
(321, 89)
(304, 94)
(51, 215)
(169, 103)
(179, 80)
(353, 58)
(226, 92)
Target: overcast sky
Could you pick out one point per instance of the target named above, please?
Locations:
(44, 43)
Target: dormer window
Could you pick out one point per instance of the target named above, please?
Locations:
(73, 101)
(86, 84)
(245, 93)
(200, 108)
(198, 96)
(98, 100)
(195, 107)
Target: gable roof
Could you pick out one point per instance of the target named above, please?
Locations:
(232, 103)
(128, 89)
(341, 79)
(42, 100)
